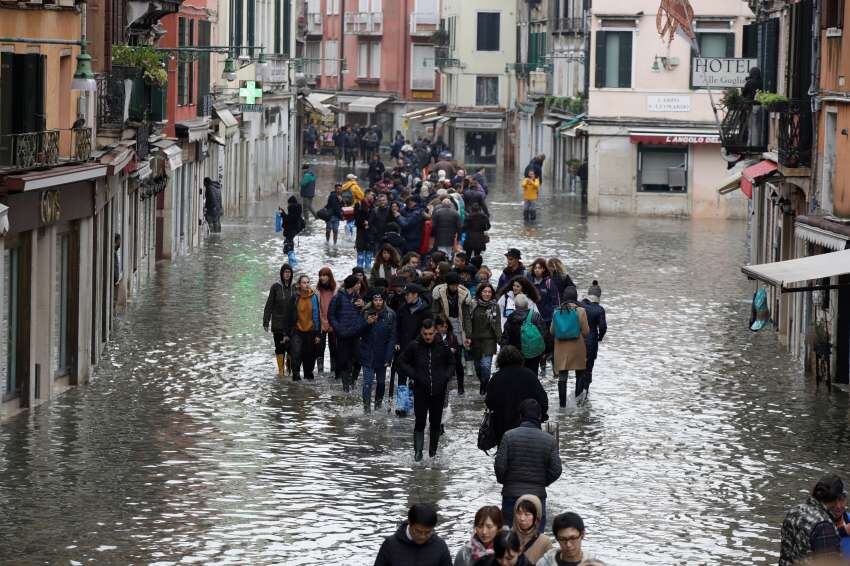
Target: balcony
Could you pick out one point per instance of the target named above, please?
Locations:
(364, 23)
(794, 134)
(744, 128)
(424, 24)
(146, 101)
(314, 25)
(44, 149)
(571, 25)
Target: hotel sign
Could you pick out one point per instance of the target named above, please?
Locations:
(717, 72)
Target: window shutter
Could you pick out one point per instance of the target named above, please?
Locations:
(768, 51)
(375, 59)
(204, 35)
(750, 48)
(7, 102)
(363, 6)
(730, 45)
(625, 74)
(277, 16)
(600, 59)
(28, 70)
(363, 60)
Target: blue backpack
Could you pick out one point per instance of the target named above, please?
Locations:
(567, 324)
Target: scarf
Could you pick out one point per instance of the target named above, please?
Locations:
(478, 548)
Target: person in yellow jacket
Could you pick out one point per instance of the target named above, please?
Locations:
(351, 185)
(530, 193)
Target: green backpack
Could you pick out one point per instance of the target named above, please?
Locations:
(530, 338)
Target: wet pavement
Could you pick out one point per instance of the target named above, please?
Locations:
(186, 448)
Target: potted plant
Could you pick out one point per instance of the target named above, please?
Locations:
(147, 61)
(772, 101)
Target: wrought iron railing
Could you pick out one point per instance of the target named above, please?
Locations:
(795, 134)
(571, 25)
(48, 148)
(366, 23)
(744, 128)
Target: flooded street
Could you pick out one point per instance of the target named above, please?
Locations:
(186, 448)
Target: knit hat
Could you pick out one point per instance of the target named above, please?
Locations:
(452, 278)
(292, 200)
(414, 288)
(595, 291)
(357, 269)
(350, 281)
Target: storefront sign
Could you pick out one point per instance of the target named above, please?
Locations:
(39, 208)
(249, 108)
(717, 72)
(479, 124)
(668, 103)
(674, 138)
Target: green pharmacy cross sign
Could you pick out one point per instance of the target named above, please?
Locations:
(251, 92)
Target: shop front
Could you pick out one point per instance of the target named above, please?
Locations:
(479, 140)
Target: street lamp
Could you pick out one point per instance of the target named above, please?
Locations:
(83, 75)
(262, 67)
(229, 73)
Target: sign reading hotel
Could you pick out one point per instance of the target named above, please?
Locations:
(668, 103)
(720, 73)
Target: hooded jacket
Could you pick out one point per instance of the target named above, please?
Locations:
(464, 300)
(445, 226)
(512, 333)
(280, 310)
(486, 330)
(411, 223)
(315, 311)
(399, 550)
(345, 317)
(476, 226)
(534, 543)
(527, 461)
(428, 365)
(308, 184)
(409, 320)
(378, 342)
(356, 192)
(597, 324)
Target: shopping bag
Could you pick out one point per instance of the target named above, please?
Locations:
(278, 222)
(403, 399)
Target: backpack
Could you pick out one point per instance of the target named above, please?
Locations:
(530, 338)
(567, 324)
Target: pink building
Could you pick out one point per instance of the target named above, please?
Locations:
(377, 58)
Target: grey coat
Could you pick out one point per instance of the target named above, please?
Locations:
(527, 461)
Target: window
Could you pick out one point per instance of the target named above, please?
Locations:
(537, 49)
(481, 147)
(331, 54)
(185, 64)
(365, 6)
(486, 91)
(613, 59)
(313, 54)
(369, 60)
(423, 76)
(332, 7)
(488, 31)
(314, 7)
(718, 45)
(61, 359)
(833, 14)
(662, 169)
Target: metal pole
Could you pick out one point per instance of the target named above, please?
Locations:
(46, 41)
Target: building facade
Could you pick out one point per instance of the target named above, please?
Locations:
(644, 116)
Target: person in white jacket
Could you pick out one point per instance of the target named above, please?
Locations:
(569, 531)
(516, 286)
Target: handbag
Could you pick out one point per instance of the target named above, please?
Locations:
(487, 432)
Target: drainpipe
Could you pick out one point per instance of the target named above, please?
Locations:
(83, 100)
(341, 44)
(814, 201)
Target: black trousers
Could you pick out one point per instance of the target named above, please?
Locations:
(346, 359)
(533, 364)
(303, 352)
(428, 408)
(279, 346)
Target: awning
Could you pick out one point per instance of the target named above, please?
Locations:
(316, 101)
(732, 181)
(216, 139)
(173, 153)
(550, 123)
(227, 118)
(823, 232)
(431, 119)
(4, 220)
(195, 130)
(366, 104)
(784, 274)
(674, 136)
(54, 176)
(117, 158)
(570, 128)
(755, 173)
(422, 113)
(444, 119)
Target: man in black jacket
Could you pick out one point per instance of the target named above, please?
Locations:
(527, 461)
(415, 541)
(428, 361)
(509, 387)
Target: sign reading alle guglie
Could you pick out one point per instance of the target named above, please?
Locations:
(717, 72)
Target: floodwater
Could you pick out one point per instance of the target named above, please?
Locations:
(185, 447)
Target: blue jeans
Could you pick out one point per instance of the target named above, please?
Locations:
(508, 504)
(364, 259)
(484, 366)
(369, 374)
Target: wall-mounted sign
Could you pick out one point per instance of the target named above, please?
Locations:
(668, 103)
(247, 108)
(674, 138)
(251, 92)
(51, 210)
(720, 73)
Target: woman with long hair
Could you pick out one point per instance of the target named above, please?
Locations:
(517, 285)
(486, 333)
(570, 350)
(386, 264)
(560, 277)
(326, 288)
(550, 297)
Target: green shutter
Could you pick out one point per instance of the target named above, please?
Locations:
(625, 74)
(600, 59)
(730, 45)
(750, 49)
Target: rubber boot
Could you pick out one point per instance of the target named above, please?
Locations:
(288, 364)
(562, 393)
(280, 367)
(418, 445)
(433, 441)
(378, 402)
(460, 389)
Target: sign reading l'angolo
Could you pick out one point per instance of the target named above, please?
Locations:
(718, 72)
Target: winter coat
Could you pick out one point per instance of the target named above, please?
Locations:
(597, 325)
(293, 220)
(315, 307)
(445, 226)
(447, 166)
(512, 333)
(530, 189)
(395, 240)
(509, 387)
(325, 297)
(409, 320)
(378, 219)
(536, 166)
(308, 184)
(562, 282)
(429, 366)
(376, 171)
(527, 461)
(507, 307)
(411, 223)
(380, 271)
(571, 354)
(280, 310)
(212, 203)
(399, 550)
(486, 328)
(334, 205)
(441, 306)
(476, 226)
(472, 196)
(356, 192)
(377, 345)
(551, 557)
(799, 526)
(363, 240)
(345, 317)
(550, 298)
(507, 275)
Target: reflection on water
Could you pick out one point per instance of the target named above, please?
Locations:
(186, 448)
